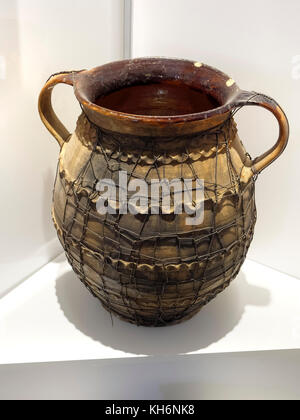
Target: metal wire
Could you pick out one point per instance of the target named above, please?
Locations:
(148, 269)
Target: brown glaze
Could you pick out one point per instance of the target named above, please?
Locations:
(150, 269)
(92, 84)
(158, 99)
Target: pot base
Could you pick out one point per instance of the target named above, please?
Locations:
(161, 319)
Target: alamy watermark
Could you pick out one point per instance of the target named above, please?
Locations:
(177, 196)
(296, 67)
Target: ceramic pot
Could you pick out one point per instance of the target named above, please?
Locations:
(156, 119)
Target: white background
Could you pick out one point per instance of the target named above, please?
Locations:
(254, 42)
(39, 38)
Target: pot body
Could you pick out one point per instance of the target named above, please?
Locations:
(154, 269)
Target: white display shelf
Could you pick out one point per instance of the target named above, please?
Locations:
(51, 317)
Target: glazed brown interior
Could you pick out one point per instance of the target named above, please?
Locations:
(166, 98)
(155, 96)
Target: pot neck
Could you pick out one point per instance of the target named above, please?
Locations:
(112, 143)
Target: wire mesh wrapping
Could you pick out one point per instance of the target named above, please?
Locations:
(148, 269)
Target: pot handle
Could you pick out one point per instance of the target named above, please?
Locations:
(47, 114)
(263, 161)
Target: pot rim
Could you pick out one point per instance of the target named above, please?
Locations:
(210, 80)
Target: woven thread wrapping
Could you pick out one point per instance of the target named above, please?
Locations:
(153, 270)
